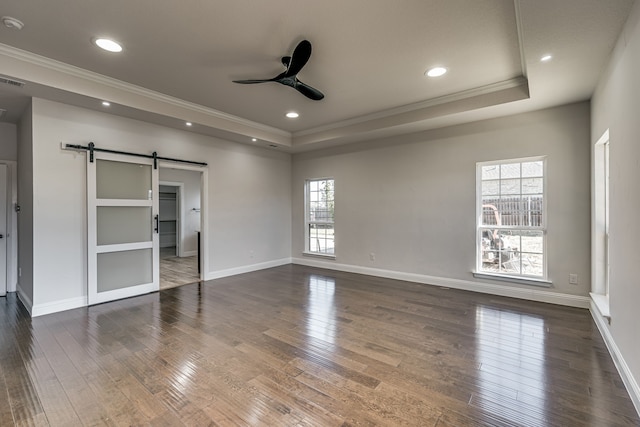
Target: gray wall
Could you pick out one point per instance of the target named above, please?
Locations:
(249, 201)
(616, 106)
(411, 200)
(8, 141)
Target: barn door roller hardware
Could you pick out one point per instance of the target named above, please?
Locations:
(91, 148)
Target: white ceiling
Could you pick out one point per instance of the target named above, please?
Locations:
(369, 59)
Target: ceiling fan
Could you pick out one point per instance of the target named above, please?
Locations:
(294, 64)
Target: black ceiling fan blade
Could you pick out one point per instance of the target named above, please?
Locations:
(308, 91)
(251, 82)
(294, 64)
(299, 58)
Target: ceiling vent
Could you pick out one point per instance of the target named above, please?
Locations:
(10, 81)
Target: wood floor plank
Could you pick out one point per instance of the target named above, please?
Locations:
(297, 345)
(6, 415)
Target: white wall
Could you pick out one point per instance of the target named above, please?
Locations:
(249, 201)
(411, 200)
(616, 106)
(191, 199)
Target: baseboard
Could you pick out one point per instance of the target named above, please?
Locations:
(77, 302)
(189, 253)
(467, 285)
(25, 300)
(621, 365)
(246, 269)
(56, 306)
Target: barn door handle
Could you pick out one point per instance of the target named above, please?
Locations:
(157, 219)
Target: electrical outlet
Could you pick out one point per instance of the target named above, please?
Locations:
(573, 279)
(372, 256)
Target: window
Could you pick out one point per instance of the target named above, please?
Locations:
(511, 223)
(320, 204)
(600, 240)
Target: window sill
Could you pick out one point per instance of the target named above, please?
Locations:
(602, 302)
(319, 255)
(514, 279)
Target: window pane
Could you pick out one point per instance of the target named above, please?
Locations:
(499, 252)
(532, 264)
(510, 186)
(512, 252)
(321, 238)
(490, 214)
(532, 242)
(510, 170)
(532, 169)
(117, 270)
(122, 180)
(490, 188)
(122, 224)
(532, 186)
(490, 172)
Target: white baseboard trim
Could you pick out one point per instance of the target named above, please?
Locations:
(56, 306)
(468, 285)
(246, 269)
(621, 365)
(25, 300)
(189, 253)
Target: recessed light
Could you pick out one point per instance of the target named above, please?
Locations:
(108, 45)
(188, 124)
(436, 72)
(106, 103)
(546, 58)
(253, 140)
(292, 115)
(12, 23)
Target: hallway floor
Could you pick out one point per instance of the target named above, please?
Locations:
(177, 271)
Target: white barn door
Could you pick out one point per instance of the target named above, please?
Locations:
(122, 227)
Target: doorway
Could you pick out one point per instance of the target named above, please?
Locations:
(3, 229)
(180, 198)
(8, 227)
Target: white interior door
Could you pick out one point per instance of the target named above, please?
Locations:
(122, 225)
(3, 229)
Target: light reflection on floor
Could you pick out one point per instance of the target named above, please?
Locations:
(510, 351)
(321, 310)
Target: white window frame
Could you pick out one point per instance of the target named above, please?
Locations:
(600, 259)
(308, 221)
(541, 280)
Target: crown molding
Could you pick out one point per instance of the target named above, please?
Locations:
(111, 83)
(422, 105)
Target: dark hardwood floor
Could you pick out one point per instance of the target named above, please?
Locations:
(296, 345)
